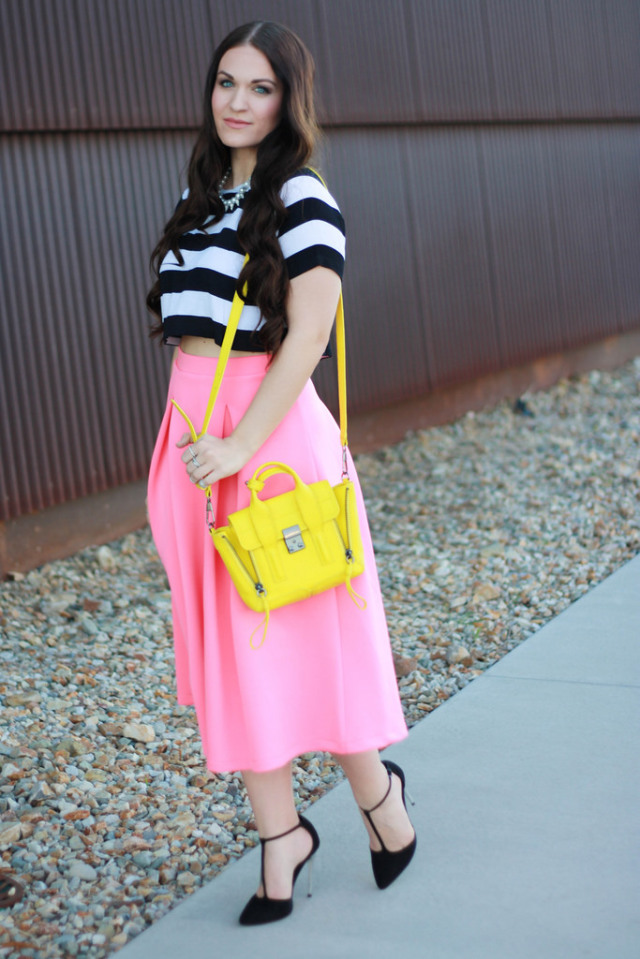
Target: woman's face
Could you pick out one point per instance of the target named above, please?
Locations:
(247, 98)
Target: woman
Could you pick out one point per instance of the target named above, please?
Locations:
(324, 678)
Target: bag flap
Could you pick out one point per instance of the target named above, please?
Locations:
(251, 530)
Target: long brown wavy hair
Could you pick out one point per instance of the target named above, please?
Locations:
(282, 152)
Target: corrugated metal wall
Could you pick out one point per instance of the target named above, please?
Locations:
(139, 64)
(486, 154)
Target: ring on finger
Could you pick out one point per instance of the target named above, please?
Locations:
(205, 481)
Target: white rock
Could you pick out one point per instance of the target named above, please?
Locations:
(10, 832)
(9, 770)
(88, 625)
(61, 601)
(106, 558)
(184, 819)
(186, 879)
(81, 870)
(486, 592)
(141, 732)
(459, 655)
(40, 792)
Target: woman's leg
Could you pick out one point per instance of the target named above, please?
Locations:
(273, 804)
(369, 781)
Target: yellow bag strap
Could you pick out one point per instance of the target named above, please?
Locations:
(341, 350)
(225, 349)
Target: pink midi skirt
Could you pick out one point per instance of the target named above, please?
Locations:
(324, 678)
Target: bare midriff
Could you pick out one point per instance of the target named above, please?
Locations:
(203, 346)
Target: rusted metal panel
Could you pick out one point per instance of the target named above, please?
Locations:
(450, 60)
(619, 154)
(621, 22)
(472, 250)
(128, 64)
(444, 187)
(366, 170)
(581, 45)
(587, 275)
(524, 76)
(80, 375)
(384, 85)
(521, 240)
(134, 64)
(87, 65)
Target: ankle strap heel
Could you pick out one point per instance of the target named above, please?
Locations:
(388, 865)
(262, 909)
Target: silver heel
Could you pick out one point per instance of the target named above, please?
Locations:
(310, 878)
(409, 797)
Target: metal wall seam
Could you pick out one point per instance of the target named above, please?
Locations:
(449, 60)
(521, 225)
(620, 166)
(578, 197)
(86, 392)
(621, 35)
(454, 260)
(518, 48)
(366, 172)
(581, 46)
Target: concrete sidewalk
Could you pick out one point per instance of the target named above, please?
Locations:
(527, 786)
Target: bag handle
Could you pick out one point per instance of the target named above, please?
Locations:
(304, 498)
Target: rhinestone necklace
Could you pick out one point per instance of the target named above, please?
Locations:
(230, 203)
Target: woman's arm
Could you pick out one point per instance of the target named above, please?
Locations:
(311, 307)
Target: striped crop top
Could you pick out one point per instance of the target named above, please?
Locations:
(196, 297)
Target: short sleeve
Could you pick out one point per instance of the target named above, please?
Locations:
(313, 232)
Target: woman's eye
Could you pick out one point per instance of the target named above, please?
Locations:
(261, 89)
(226, 84)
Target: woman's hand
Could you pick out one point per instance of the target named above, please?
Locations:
(211, 459)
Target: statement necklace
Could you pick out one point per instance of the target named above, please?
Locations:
(230, 203)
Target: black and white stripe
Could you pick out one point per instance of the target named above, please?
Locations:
(196, 297)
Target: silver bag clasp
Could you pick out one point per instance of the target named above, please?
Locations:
(293, 539)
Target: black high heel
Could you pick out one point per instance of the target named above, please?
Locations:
(388, 865)
(261, 909)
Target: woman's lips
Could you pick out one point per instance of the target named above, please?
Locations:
(236, 124)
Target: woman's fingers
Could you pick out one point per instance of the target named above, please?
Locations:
(184, 439)
(211, 459)
(204, 461)
(190, 455)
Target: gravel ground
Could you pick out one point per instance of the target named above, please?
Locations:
(484, 530)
